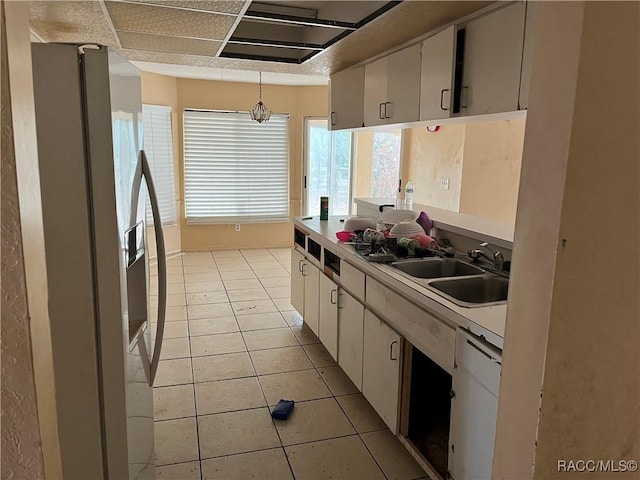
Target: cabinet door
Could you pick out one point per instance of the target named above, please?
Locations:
(403, 86)
(375, 92)
(311, 275)
(328, 321)
(297, 281)
(346, 99)
(474, 409)
(430, 335)
(381, 368)
(436, 79)
(352, 280)
(492, 62)
(527, 57)
(350, 337)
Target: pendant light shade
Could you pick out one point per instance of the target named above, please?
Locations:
(260, 112)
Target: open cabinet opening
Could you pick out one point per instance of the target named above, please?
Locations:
(426, 421)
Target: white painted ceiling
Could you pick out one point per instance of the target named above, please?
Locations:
(184, 38)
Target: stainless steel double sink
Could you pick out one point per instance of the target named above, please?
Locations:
(464, 284)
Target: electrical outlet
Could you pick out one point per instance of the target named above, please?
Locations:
(237, 227)
(444, 183)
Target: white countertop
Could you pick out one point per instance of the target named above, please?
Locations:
(494, 232)
(486, 321)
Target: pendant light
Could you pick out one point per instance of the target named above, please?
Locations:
(260, 112)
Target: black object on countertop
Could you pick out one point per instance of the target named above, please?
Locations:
(381, 207)
(283, 409)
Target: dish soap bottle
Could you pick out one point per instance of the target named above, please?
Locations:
(408, 196)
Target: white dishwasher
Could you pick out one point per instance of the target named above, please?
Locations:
(474, 407)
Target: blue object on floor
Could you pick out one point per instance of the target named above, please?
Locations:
(283, 409)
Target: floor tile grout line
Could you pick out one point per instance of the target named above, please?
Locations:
(314, 367)
(293, 475)
(350, 422)
(372, 455)
(263, 394)
(193, 384)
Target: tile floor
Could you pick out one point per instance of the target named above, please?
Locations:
(233, 347)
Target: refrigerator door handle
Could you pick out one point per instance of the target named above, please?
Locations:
(143, 170)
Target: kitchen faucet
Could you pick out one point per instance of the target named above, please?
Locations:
(496, 256)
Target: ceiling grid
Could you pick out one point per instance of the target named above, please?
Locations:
(300, 39)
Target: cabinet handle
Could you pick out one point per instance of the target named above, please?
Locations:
(302, 271)
(385, 110)
(442, 97)
(339, 302)
(334, 300)
(333, 118)
(300, 265)
(380, 114)
(391, 351)
(462, 97)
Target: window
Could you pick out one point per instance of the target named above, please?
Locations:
(377, 159)
(327, 168)
(385, 163)
(158, 145)
(235, 170)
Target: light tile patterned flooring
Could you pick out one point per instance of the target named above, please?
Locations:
(233, 347)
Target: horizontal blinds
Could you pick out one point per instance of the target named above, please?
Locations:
(158, 145)
(235, 169)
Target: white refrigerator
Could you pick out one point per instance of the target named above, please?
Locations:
(94, 177)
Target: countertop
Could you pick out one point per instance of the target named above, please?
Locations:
(488, 321)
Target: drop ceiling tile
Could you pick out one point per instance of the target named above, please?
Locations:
(70, 22)
(164, 43)
(169, 21)
(222, 6)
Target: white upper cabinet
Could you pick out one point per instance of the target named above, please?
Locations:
(436, 79)
(527, 57)
(375, 91)
(346, 99)
(392, 88)
(493, 61)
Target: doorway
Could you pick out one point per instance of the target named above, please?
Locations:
(327, 168)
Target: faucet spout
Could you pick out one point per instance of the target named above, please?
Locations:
(498, 258)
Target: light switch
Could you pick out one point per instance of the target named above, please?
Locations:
(444, 183)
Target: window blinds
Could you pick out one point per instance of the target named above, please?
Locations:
(158, 145)
(235, 170)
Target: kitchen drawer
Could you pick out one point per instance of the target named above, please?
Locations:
(352, 280)
(427, 333)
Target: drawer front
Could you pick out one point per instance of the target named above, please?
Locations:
(352, 280)
(431, 336)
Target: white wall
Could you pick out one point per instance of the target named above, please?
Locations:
(570, 386)
(30, 448)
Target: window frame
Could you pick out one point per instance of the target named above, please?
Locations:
(275, 217)
(165, 109)
(305, 163)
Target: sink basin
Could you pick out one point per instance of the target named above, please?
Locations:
(436, 268)
(473, 291)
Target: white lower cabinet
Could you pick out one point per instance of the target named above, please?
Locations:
(381, 368)
(350, 337)
(429, 334)
(474, 408)
(328, 321)
(297, 281)
(305, 284)
(311, 275)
